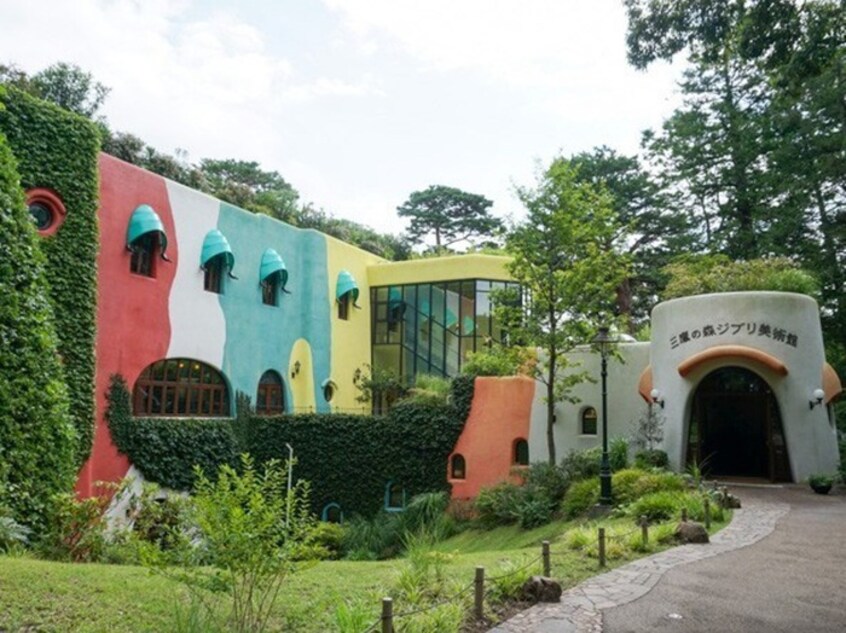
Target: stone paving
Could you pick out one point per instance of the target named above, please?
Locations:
(580, 609)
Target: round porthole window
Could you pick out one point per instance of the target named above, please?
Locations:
(46, 210)
(42, 215)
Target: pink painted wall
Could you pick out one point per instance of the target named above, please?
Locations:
(133, 327)
(500, 414)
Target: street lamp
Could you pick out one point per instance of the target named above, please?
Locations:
(604, 342)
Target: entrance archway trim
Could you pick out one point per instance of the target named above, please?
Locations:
(644, 384)
(831, 383)
(732, 351)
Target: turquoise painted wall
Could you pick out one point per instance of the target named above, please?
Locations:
(260, 337)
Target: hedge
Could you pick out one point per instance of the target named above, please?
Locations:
(58, 150)
(37, 436)
(349, 459)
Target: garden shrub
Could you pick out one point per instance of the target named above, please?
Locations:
(496, 504)
(554, 480)
(632, 483)
(499, 360)
(654, 458)
(38, 441)
(161, 520)
(328, 540)
(77, 529)
(658, 506)
(618, 453)
(250, 529)
(582, 464)
(58, 149)
(581, 496)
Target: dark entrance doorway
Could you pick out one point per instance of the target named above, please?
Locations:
(735, 427)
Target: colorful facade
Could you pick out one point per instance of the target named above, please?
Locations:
(198, 300)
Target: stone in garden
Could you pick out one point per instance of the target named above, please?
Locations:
(541, 589)
(691, 532)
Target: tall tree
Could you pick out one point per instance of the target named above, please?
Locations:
(70, 87)
(562, 259)
(650, 232)
(449, 216)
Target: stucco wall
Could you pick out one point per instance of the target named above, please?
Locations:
(625, 405)
(683, 327)
(498, 416)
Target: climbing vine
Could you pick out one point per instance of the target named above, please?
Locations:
(349, 459)
(58, 150)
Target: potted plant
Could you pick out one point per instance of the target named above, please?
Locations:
(821, 484)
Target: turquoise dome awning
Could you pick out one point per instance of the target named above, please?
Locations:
(145, 220)
(271, 264)
(346, 284)
(214, 244)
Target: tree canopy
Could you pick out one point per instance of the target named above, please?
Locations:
(449, 216)
(564, 259)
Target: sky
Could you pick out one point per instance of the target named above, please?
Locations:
(358, 103)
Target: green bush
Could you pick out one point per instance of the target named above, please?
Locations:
(657, 506)
(618, 453)
(38, 441)
(329, 537)
(654, 458)
(58, 149)
(77, 529)
(581, 496)
(553, 480)
(497, 504)
(582, 464)
(348, 459)
(497, 361)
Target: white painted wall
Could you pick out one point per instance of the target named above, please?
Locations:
(625, 405)
(198, 328)
(810, 434)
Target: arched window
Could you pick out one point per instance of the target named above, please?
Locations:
(588, 421)
(521, 453)
(270, 398)
(213, 274)
(457, 467)
(332, 513)
(145, 237)
(181, 386)
(394, 497)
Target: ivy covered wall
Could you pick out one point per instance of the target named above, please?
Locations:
(37, 437)
(348, 459)
(58, 150)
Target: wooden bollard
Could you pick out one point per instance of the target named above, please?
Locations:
(547, 566)
(684, 515)
(602, 547)
(479, 593)
(644, 529)
(707, 507)
(387, 615)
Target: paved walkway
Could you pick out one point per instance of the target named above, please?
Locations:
(711, 591)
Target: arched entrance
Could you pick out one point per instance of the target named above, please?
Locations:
(735, 427)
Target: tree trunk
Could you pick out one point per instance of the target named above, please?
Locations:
(550, 407)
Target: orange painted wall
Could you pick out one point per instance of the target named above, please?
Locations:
(500, 414)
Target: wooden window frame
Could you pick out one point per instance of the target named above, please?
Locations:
(166, 389)
(266, 391)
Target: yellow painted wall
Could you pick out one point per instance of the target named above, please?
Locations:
(301, 384)
(439, 269)
(350, 338)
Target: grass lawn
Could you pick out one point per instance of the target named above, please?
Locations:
(45, 596)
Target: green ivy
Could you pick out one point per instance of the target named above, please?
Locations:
(348, 459)
(58, 150)
(37, 437)
(165, 450)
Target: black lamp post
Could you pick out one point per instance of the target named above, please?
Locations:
(603, 342)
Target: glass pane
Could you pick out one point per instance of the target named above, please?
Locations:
(169, 399)
(437, 355)
(157, 404)
(171, 371)
(451, 354)
(158, 370)
(466, 347)
(382, 294)
(438, 304)
(182, 400)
